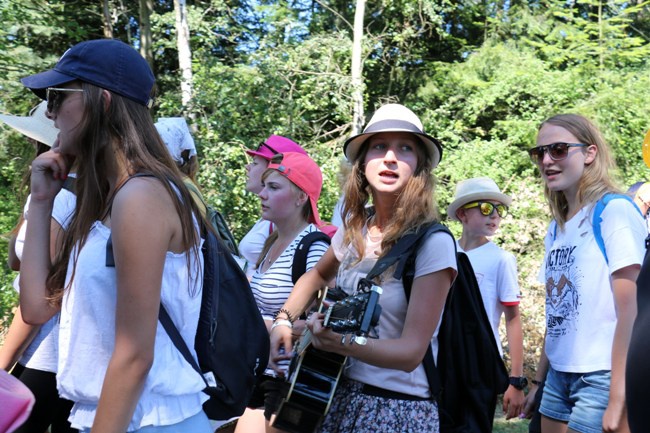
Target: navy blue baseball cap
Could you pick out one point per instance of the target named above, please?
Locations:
(107, 63)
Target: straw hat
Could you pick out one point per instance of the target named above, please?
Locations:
(393, 118)
(478, 188)
(35, 126)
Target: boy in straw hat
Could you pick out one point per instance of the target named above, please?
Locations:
(479, 205)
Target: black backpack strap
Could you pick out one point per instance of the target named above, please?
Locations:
(404, 253)
(110, 259)
(299, 265)
(177, 339)
(70, 184)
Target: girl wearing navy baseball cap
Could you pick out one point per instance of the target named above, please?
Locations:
(130, 191)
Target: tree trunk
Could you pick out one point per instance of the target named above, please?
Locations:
(357, 81)
(146, 9)
(108, 26)
(184, 53)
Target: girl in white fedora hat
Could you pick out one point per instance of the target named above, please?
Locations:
(385, 388)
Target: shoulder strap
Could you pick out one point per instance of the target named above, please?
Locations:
(597, 218)
(110, 259)
(299, 265)
(177, 339)
(403, 253)
(70, 184)
(403, 250)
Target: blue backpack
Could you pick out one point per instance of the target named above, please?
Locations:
(597, 218)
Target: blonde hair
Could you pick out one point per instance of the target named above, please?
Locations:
(415, 205)
(596, 180)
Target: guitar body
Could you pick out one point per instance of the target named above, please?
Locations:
(315, 374)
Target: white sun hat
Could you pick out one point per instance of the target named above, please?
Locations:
(176, 136)
(393, 118)
(35, 126)
(477, 188)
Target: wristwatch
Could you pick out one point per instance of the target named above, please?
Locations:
(518, 382)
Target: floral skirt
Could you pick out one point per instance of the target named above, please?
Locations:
(355, 412)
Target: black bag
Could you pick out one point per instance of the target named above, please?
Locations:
(470, 371)
(217, 220)
(232, 342)
(299, 265)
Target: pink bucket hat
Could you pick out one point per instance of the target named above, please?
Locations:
(274, 145)
(303, 172)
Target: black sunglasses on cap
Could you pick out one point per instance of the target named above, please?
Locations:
(556, 151)
(263, 144)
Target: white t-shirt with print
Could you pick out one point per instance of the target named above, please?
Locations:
(496, 274)
(580, 308)
(272, 288)
(252, 244)
(436, 253)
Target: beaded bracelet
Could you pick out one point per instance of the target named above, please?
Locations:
(289, 317)
(281, 322)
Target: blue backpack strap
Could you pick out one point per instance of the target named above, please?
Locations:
(597, 218)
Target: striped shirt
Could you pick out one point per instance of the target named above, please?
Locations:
(272, 288)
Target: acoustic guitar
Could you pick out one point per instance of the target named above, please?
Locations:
(314, 374)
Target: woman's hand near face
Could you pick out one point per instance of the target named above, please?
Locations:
(49, 171)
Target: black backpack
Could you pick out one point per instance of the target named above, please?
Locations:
(470, 372)
(232, 342)
(299, 265)
(217, 220)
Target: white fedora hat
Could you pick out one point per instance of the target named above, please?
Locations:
(36, 126)
(393, 118)
(477, 188)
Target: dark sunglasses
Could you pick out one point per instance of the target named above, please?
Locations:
(557, 151)
(55, 96)
(486, 208)
(263, 144)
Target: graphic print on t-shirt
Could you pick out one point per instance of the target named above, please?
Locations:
(562, 298)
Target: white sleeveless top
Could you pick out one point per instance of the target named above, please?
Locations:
(41, 354)
(172, 390)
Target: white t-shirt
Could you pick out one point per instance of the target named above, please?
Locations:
(41, 354)
(272, 288)
(172, 389)
(580, 309)
(252, 244)
(496, 274)
(437, 253)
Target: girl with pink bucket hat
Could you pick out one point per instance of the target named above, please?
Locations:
(384, 388)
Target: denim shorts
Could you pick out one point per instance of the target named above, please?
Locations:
(577, 398)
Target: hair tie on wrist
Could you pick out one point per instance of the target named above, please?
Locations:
(289, 317)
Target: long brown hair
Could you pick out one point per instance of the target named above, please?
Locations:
(124, 130)
(596, 179)
(415, 205)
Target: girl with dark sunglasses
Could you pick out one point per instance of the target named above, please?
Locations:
(590, 293)
(115, 362)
